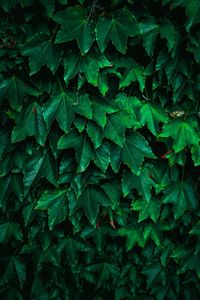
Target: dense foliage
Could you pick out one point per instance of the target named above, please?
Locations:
(99, 149)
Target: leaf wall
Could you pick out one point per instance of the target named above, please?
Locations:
(99, 149)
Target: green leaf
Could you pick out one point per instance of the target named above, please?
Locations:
(100, 110)
(134, 150)
(15, 268)
(117, 30)
(183, 132)
(89, 65)
(149, 29)
(102, 156)
(40, 164)
(30, 122)
(95, 133)
(62, 108)
(41, 51)
(81, 143)
(151, 115)
(192, 9)
(55, 202)
(146, 209)
(14, 89)
(182, 196)
(152, 271)
(142, 183)
(195, 150)
(78, 26)
(8, 230)
(115, 129)
(91, 199)
(167, 31)
(134, 73)
(134, 236)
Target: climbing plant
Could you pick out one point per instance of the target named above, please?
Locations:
(99, 149)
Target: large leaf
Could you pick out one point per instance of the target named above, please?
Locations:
(78, 26)
(117, 30)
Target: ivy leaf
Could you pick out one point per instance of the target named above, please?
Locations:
(152, 271)
(182, 196)
(142, 183)
(95, 133)
(149, 29)
(41, 51)
(102, 156)
(89, 64)
(55, 203)
(30, 122)
(146, 209)
(14, 89)
(78, 26)
(100, 110)
(115, 129)
(167, 31)
(183, 132)
(192, 9)
(15, 267)
(81, 143)
(91, 199)
(40, 164)
(117, 30)
(134, 150)
(151, 115)
(134, 73)
(8, 230)
(62, 108)
(71, 247)
(134, 236)
(195, 150)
